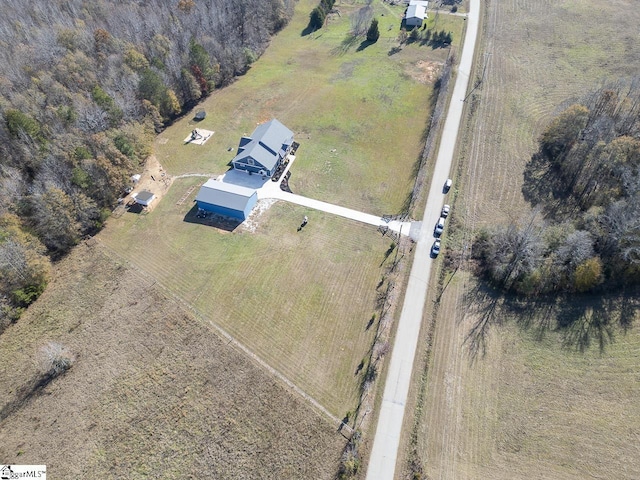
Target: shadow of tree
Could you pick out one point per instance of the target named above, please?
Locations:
(587, 325)
(581, 321)
(347, 44)
(308, 30)
(538, 185)
(483, 302)
(543, 185)
(364, 44)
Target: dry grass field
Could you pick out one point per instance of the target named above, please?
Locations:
(153, 393)
(529, 403)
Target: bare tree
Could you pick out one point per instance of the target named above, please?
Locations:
(361, 19)
(56, 359)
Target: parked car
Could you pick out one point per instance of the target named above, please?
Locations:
(445, 211)
(439, 227)
(447, 185)
(435, 248)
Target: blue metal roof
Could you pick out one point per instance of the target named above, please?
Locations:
(266, 141)
(226, 195)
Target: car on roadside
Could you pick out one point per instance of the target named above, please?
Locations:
(445, 211)
(439, 227)
(435, 248)
(447, 185)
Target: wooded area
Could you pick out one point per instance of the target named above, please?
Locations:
(85, 86)
(585, 181)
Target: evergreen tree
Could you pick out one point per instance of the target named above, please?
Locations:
(317, 17)
(373, 33)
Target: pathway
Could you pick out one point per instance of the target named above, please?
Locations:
(382, 463)
(268, 189)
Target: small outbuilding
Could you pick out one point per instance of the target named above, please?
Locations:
(145, 198)
(416, 13)
(226, 199)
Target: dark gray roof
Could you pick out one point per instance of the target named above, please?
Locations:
(266, 141)
(144, 196)
(226, 195)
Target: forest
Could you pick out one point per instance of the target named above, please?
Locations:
(85, 86)
(584, 185)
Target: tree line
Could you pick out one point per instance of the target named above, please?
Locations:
(84, 87)
(585, 183)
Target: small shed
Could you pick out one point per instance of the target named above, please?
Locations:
(416, 13)
(145, 198)
(226, 199)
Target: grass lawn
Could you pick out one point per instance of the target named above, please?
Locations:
(300, 301)
(358, 113)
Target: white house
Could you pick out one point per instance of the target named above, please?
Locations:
(416, 13)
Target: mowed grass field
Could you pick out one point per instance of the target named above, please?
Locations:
(531, 406)
(300, 301)
(358, 113)
(154, 392)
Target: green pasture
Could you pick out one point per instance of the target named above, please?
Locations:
(299, 300)
(357, 110)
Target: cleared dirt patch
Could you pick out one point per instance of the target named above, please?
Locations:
(425, 72)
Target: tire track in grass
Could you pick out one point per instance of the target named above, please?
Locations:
(231, 340)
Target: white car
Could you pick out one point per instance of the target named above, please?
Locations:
(445, 211)
(435, 248)
(447, 185)
(439, 227)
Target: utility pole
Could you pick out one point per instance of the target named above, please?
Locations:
(484, 68)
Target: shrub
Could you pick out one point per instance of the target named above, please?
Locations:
(588, 274)
(19, 123)
(56, 359)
